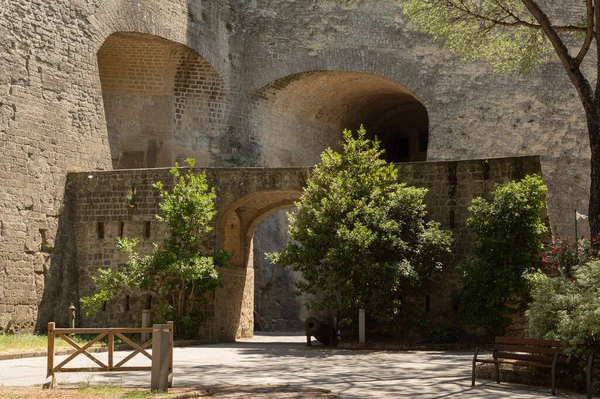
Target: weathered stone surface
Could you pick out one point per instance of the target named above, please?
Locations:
(92, 85)
(245, 197)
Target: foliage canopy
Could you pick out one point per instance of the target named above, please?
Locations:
(176, 270)
(357, 233)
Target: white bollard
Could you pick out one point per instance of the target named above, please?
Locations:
(145, 324)
(361, 326)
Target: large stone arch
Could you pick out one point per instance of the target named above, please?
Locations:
(300, 115)
(163, 102)
(236, 225)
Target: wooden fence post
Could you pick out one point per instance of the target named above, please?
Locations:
(159, 380)
(111, 349)
(171, 332)
(52, 382)
(146, 322)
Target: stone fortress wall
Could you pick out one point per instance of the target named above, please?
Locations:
(101, 212)
(88, 85)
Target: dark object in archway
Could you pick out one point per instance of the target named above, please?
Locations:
(323, 332)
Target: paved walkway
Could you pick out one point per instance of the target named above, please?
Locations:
(270, 359)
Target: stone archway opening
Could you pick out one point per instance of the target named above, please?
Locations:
(302, 114)
(277, 308)
(238, 310)
(163, 102)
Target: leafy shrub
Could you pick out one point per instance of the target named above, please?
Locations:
(568, 309)
(444, 334)
(508, 237)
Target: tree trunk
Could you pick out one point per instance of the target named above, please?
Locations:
(592, 111)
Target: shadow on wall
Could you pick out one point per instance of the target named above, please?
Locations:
(62, 274)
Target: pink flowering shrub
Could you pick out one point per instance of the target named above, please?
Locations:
(564, 254)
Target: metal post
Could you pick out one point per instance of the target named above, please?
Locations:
(72, 316)
(171, 337)
(361, 326)
(159, 380)
(576, 230)
(145, 324)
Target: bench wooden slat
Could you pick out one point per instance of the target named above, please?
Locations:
(528, 349)
(529, 341)
(519, 363)
(541, 359)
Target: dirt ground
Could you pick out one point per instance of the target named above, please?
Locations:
(223, 392)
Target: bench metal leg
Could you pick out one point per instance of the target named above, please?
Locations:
(497, 373)
(554, 374)
(588, 376)
(473, 370)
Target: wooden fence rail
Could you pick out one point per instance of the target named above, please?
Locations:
(110, 333)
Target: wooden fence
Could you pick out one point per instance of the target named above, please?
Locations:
(161, 342)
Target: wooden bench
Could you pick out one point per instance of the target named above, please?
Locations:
(524, 352)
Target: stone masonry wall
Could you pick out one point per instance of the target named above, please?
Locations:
(52, 120)
(101, 212)
(56, 118)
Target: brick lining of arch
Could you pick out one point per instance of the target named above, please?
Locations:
(163, 101)
(302, 114)
(245, 214)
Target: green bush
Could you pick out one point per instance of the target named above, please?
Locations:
(568, 309)
(444, 334)
(508, 237)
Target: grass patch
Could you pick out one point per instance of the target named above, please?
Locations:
(145, 394)
(27, 343)
(104, 390)
(116, 391)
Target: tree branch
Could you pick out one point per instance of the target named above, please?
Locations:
(589, 34)
(569, 63)
(551, 34)
(501, 20)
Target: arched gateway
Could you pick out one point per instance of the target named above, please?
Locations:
(100, 210)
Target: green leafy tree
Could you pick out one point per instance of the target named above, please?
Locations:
(516, 36)
(357, 233)
(508, 235)
(177, 269)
